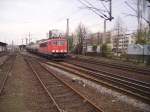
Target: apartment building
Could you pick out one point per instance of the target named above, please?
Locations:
(121, 42)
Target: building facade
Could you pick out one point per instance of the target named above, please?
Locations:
(121, 42)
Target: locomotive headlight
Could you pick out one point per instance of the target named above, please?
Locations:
(53, 50)
(56, 50)
(61, 50)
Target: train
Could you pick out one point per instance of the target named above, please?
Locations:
(50, 48)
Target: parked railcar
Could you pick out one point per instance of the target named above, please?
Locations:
(33, 47)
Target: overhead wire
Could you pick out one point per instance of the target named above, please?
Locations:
(91, 9)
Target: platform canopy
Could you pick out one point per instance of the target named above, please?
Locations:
(3, 44)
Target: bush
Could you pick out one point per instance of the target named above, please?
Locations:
(94, 48)
(148, 60)
(106, 51)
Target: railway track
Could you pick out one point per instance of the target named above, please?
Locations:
(51, 103)
(125, 85)
(64, 97)
(97, 69)
(3, 62)
(6, 68)
(3, 59)
(126, 67)
(138, 89)
(2, 54)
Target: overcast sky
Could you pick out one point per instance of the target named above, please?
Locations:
(19, 17)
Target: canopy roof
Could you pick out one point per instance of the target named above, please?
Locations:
(3, 44)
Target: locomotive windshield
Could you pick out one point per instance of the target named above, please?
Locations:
(59, 43)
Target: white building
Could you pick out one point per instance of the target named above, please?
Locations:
(121, 42)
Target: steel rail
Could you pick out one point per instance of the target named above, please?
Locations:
(2, 54)
(124, 91)
(106, 76)
(5, 61)
(6, 75)
(77, 92)
(105, 83)
(51, 96)
(133, 81)
(115, 65)
(44, 87)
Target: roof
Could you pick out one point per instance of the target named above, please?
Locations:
(3, 44)
(50, 39)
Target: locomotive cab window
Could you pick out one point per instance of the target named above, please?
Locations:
(58, 42)
(54, 42)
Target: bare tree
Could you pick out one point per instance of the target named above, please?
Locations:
(81, 35)
(140, 10)
(119, 33)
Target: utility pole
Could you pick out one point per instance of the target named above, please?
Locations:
(67, 33)
(117, 39)
(29, 37)
(12, 46)
(47, 35)
(67, 30)
(99, 41)
(26, 41)
(104, 26)
(106, 14)
(104, 35)
(22, 41)
(110, 13)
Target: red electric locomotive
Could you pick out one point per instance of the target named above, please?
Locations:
(55, 47)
